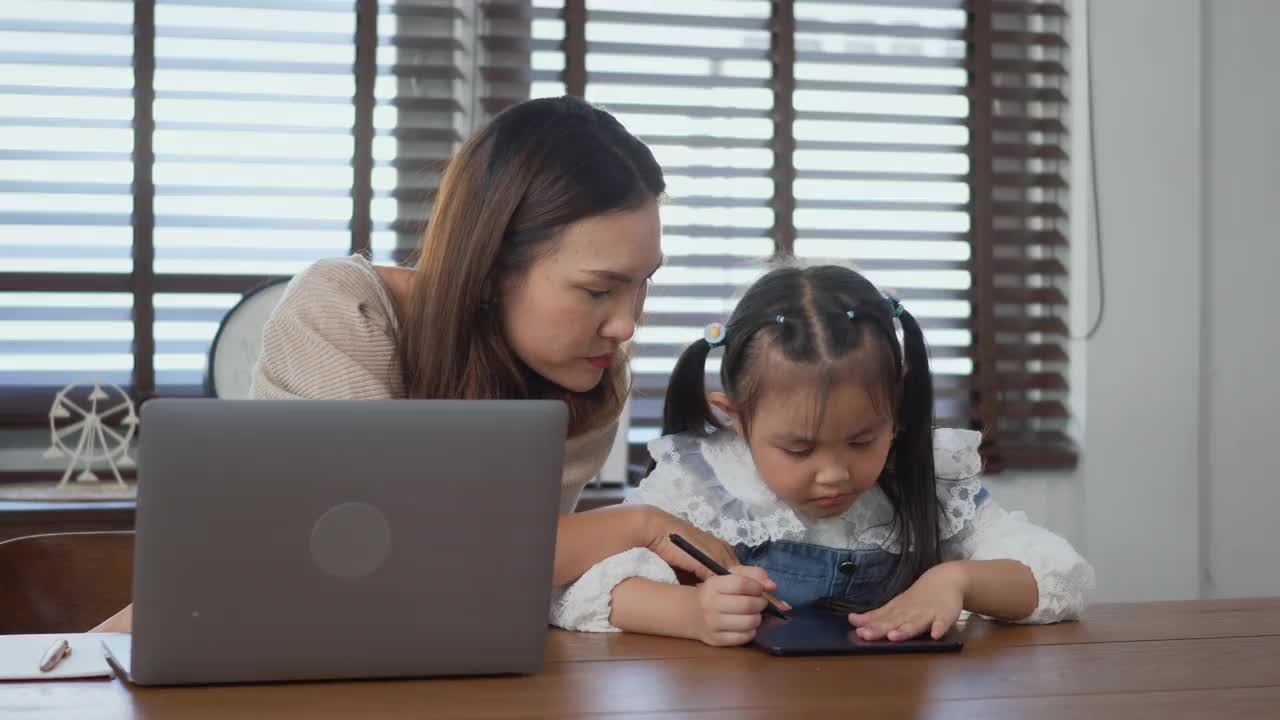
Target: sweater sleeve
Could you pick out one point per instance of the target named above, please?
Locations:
(329, 338)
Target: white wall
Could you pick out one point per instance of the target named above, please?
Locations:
(1141, 458)
(1242, 298)
(1178, 489)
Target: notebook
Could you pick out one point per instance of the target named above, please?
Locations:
(20, 657)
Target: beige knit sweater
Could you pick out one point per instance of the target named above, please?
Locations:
(333, 337)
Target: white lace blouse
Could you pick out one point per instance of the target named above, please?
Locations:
(712, 483)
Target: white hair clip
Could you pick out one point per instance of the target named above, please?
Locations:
(714, 334)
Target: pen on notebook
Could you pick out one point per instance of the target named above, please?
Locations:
(718, 569)
(54, 655)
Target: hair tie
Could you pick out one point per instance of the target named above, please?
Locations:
(714, 333)
(895, 307)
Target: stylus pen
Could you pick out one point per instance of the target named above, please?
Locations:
(718, 569)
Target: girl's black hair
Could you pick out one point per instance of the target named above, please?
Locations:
(817, 316)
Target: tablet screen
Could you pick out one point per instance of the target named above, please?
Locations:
(816, 630)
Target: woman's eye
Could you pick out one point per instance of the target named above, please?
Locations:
(597, 294)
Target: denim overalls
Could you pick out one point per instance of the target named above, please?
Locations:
(806, 573)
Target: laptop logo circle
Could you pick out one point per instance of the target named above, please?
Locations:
(350, 540)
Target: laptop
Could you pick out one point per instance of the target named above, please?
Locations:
(317, 539)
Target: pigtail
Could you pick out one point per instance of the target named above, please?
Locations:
(913, 495)
(686, 408)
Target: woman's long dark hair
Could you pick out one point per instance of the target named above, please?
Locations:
(818, 316)
(535, 168)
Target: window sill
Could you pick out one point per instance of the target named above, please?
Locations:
(19, 518)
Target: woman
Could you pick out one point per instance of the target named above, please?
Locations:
(532, 274)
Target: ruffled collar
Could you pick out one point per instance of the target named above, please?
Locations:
(715, 480)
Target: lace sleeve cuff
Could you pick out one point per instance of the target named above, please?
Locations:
(586, 604)
(1064, 579)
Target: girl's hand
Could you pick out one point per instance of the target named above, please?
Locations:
(932, 605)
(729, 606)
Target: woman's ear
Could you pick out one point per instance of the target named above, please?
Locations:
(721, 402)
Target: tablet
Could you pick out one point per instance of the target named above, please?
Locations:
(819, 630)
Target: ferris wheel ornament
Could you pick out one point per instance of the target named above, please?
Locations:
(90, 425)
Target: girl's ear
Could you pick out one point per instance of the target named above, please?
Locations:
(721, 402)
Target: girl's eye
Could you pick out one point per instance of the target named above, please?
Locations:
(597, 294)
(860, 443)
(798, 452)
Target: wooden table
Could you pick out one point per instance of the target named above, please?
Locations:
(1216, 659)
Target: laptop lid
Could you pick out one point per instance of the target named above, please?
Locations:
(295, 540)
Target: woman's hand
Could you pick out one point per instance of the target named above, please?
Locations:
(932, 604)
(658, 527)
(662, 524)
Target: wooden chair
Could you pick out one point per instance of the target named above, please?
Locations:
(63, 582)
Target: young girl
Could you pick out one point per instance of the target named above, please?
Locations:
(831, 483)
